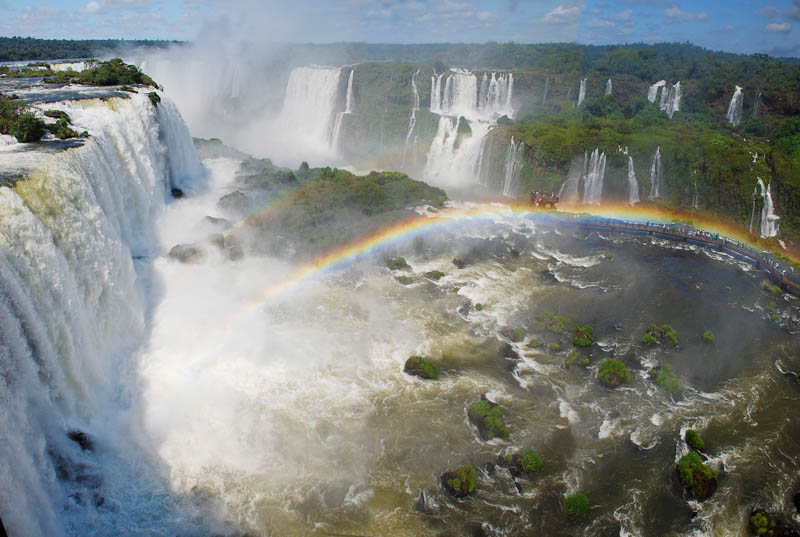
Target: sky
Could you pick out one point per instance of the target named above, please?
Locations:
(742, 26)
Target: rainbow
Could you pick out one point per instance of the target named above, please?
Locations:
(457, 216)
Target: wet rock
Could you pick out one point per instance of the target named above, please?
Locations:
(465, 308)
(461, 482)
(762, 522)
(420, 367)
(459, 263)
(426, 503)
(176, 192)
(222, 223)
(235, 201)
(507, 351)
(397, 263)
(82, 439)
(797, 501)
(487, 416)
(699, 480)
(2, 529)
(187, 253)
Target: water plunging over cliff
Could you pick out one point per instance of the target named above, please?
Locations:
(769, 220)
(512, 168)
(633, 186)
(336, 137)
(735, 107)
(309, 107)
(608, 87)
(655, 175)
(582, 92)
(412, 120)
(593, 183)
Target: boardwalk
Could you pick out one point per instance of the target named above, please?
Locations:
(779, 273)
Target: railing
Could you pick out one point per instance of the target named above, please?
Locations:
(759, 259)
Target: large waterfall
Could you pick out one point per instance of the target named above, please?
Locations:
(72, 311)
(633, 186)
(735, 107)
(593, 182)
(608, 87)
(307, 115)
(336, 137)
(652, 92)
(412, 120)
(655, 175)
(455, 155)
(582, 92)
(512, 168)
(670, 100)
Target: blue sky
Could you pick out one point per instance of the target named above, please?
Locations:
(746, 26)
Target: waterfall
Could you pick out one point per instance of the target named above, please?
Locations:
(73, 310)
(582, 92)
(755, 104)
(753, 210)
(512, 169)
(633, 186)
(608, 87)
(769, 220)
(671, 100)
(593, 183)
(568, 193)
(336, 137)
(696, 199)
(412, 120)
(456, 95)
(312, 96)
(452, 164)
(652, 93)
(655, 175)
(735, 107)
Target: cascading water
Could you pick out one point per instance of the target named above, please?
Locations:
(336, 137)
(652, 92)
(412, 120)
(582, 92)
(633, 186)
(456, 160)
(593, 183)
(735, 107)
(671, 101)
(72, 310)
(769, 220)
(512, 168)
(655, 175)
(608, 87)
(312, 96)
(546, 87)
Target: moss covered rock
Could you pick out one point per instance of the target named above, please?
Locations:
(524, 462)
(397, 263)
(420, 367)
(582, 336)
(488, 418)
(768, 524)
(694, 440)
(435, 275)
(699, 480)
(513, 334)
(666, 378)
(461, 482)
(612, 373)
(187, 253)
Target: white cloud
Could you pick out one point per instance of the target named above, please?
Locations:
(624, 16)
(779, 27)
(563, 14)
(600, 24)
(674, 14)
(486, 16)
(770, 12)
(92, 7)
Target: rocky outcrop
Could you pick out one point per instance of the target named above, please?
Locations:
(460, 482)
(420, 367)
(187, 253)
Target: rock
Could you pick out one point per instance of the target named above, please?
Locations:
(187, 253)
(223, 223)
(235, 201)
(459, 263)
(420, 367)
(176, 192)
(435, 275)
(82, 439)
(465, 308)
(488, 418)
(2, 529)
(461, 482)
(397, 263)
(762, 522)
(697, 478)
(797, 501)
(426, 503)
(524, 462)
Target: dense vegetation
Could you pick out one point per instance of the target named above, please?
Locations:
(29, 48)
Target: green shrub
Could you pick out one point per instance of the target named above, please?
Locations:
(154, 97)
(771, 289)
(478, 307)
(759, 522)
(572, 357)
(708, 336)
(669, 333)
(771, 307)
(612, 373)
(465, 479)
(585, 362)
(666, 378)
(582, 335)
(700, 480)
(435, 275)
(489, 419)
(530, 461)
(533, 343)
(649, 339)
(547, 320)
(609, 256)
(775, 317)
(405, 280)
(576, 504)
(27, 128)
(693, 440)
(555, 347)
(514, 334)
